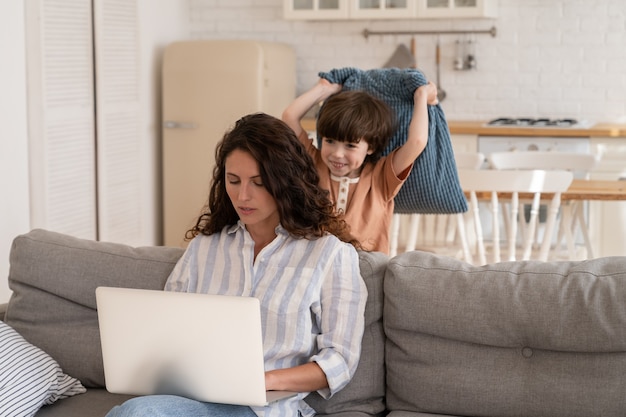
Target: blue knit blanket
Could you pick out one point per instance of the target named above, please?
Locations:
(433, 185)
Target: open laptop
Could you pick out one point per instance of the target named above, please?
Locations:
(205, 347)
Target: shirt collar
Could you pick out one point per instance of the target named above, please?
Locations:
(345, 179)
(280, 230)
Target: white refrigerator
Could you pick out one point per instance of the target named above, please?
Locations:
(207, 86)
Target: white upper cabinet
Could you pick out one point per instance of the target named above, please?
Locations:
(456, 8)
(382, 9)
(315, 9)
(387, 9)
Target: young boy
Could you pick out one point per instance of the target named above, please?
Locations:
(355, 128)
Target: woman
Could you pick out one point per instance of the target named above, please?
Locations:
(269, 231)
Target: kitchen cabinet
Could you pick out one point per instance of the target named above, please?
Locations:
(456, 8)
(607, 219)
(315, 9)
(382, 9)
(464, 143)
(387, 9)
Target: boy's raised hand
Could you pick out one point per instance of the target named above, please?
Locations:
(430, 90)
(328, 88)
(297, 109)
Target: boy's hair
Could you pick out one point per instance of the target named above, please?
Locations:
(350, 116)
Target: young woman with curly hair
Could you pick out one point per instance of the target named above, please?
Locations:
(269, 231)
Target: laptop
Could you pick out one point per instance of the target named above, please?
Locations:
(205, 347)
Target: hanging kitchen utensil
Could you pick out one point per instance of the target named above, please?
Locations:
(459, 58)
(413, 52)
(401, 58)
(470, 61)
(441, 93)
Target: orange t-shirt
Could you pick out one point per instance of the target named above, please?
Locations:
(369, 205)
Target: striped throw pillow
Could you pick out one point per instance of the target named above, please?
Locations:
(29, 377)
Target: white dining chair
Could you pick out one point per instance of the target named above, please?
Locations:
(436, 232)
(572, 218)
(514, 182)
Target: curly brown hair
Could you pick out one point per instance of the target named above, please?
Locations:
(350, 116)
(287, 172)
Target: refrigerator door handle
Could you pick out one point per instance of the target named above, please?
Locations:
(168, 124)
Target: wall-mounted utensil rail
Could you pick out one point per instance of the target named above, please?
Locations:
(367, 33)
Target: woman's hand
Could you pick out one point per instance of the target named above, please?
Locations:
(303, 378)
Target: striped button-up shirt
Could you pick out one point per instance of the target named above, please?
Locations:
(312, 300)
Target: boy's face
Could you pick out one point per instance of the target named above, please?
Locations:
(344, 159)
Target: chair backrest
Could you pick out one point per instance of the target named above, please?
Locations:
(579, 163)
(435, 231)
(514, 182)
(519, 180)
(572, 219)
(469, 160)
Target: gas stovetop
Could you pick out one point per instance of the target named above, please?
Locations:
(529, 122)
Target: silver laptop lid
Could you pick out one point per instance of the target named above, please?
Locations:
(205, 347)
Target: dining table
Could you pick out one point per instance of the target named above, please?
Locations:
(579, 189)
(604, 190)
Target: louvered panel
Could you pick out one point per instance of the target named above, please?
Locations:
(119, 214)
(118, 133)
(71, 175)
(61, 116)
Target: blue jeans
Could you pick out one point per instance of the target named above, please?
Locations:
(174, 406)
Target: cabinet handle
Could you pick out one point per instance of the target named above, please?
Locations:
(178, 125)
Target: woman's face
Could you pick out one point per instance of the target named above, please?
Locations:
(253, 203)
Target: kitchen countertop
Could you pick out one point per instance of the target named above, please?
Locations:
(479, 128)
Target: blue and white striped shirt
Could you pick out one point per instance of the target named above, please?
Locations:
(312, 300)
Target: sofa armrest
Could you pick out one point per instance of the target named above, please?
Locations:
(3, 310)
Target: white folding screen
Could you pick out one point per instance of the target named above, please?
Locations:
(118, 116)
(84, 117)
(61, 116)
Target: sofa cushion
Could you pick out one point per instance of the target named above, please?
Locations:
(29, 377)
(364, 394)
(507, 339)
(54, 277)
(96, 402)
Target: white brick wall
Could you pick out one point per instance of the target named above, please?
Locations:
(552, 58)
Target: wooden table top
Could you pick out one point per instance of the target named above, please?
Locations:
(580, 189)
(595, 190)
(481, 128)
(476, 127)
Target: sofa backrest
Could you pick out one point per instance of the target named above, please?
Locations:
(513, 339)
(54, 277)
(508, 339)
(365, 393)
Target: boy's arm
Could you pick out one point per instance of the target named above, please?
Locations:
(294, 113)
(417, 137)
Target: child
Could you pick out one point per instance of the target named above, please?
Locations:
(355, 128)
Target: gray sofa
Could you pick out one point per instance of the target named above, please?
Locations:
(442, 337)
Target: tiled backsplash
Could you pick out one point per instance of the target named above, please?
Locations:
(555, 58)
